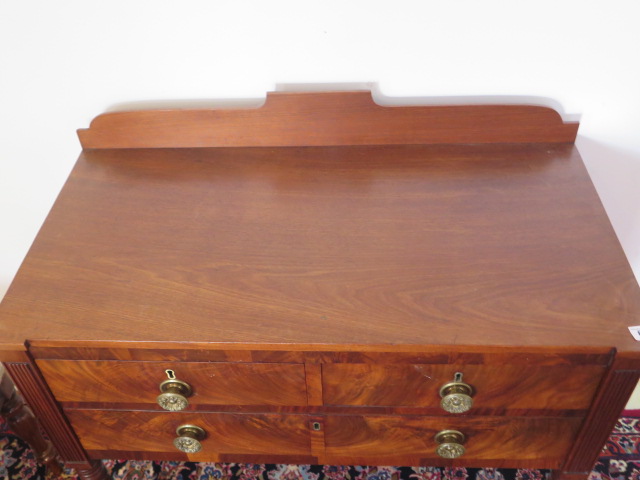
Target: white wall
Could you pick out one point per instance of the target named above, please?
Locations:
(62, 63)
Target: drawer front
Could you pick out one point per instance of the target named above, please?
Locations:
(497, 387)
(387, 440)
(115, 434)
(212, 383)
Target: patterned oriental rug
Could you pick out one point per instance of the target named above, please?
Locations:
(620, 460)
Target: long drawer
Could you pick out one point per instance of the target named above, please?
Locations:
(540, 442)
(506, 386)
(549, 388)
(121, 382)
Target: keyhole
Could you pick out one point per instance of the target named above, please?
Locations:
(457, 377)
(171, 374)
(316, 426)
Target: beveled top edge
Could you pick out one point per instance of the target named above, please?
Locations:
(320, 353)
(315, 347)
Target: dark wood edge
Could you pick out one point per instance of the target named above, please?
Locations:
(23, 422)
(317, 354)
(327, 119)
(628, 360)
(609, 402)
(31, 385)
(15, 356)
(431, 358)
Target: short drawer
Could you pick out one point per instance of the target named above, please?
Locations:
(125, 434)
(212, 383)
(410, 440)
(494, 387)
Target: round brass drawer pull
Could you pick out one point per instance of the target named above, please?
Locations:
(188, 440)
(456, 395)
(450, 443)
(174, 395)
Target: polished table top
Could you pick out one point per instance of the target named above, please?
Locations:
(487, 245)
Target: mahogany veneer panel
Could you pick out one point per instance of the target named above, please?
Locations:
(323, 353)
(383, 438)
(212, 383)
(227, 433)
(505, 386)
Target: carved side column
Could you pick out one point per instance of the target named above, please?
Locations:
(21, 420)
(609, 403)
(37, 395)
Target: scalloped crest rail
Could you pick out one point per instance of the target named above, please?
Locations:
(327, 119)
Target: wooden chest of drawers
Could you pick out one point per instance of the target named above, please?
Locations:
(324, 280)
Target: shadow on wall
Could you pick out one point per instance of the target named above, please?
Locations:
(616, 175)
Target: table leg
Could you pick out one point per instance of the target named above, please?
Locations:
(24, 424)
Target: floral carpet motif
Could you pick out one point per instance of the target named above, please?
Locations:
(620, 460)
(620, 457)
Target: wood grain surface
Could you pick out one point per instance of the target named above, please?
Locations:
(540, 442)
(484, 245)
(331, 410)
(321, 353)
(327, 118)
(212, 383)
(504, 386)
(387, 438)
(21, 420)
(33, 388)
(227, 433)
(616, 389)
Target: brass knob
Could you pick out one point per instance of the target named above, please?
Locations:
(174, 395)
(188, 440)
(450, 443)
(456, 395)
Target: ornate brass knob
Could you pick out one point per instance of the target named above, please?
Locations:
(174, 395)
(456, 395)
(450, 443)
(188, 440)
